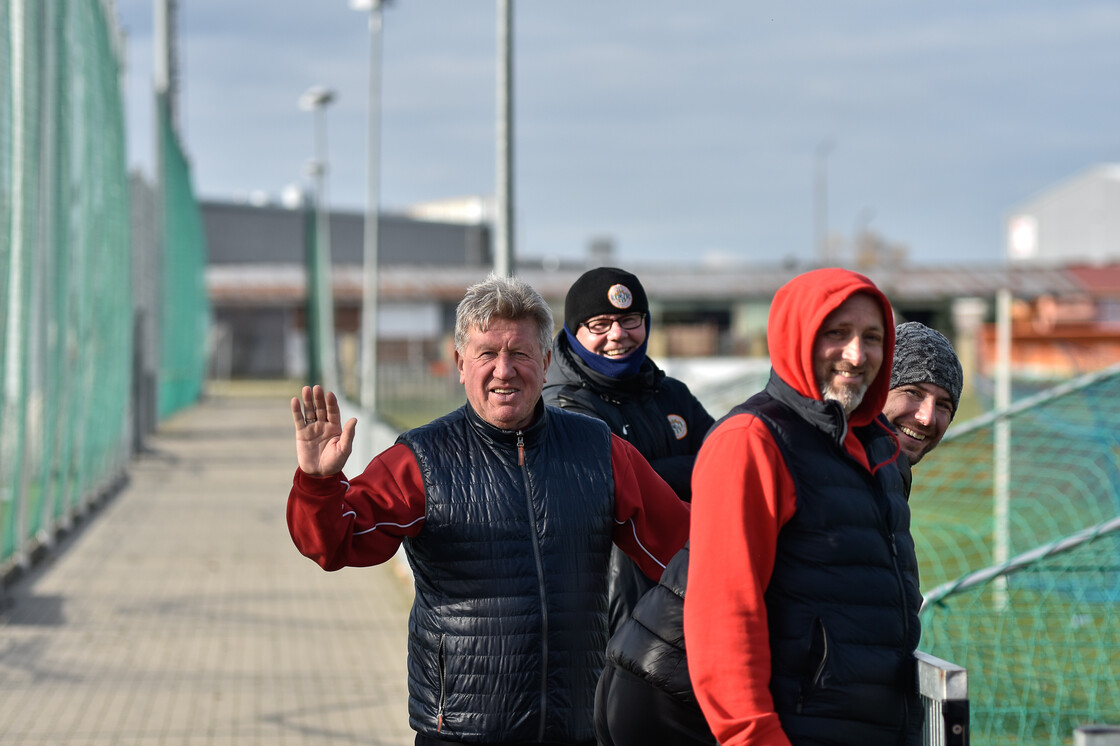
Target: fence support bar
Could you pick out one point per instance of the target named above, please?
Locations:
(943, 687)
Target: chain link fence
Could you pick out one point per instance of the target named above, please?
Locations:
(1020, 561)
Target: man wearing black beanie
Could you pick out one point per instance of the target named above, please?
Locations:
(600, 368)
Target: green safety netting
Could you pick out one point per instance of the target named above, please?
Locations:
(67, 301)
(185, 311)
(65, 297)
(1036, 627)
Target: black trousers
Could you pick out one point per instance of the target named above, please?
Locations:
(629, 711)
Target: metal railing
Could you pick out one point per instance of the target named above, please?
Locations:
(1097, 735)
(943, 687)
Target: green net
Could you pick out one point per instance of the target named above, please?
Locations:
(65, 253)
(1039, 642)
(6, 184)
(186, 311)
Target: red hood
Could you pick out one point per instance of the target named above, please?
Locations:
(797, 313)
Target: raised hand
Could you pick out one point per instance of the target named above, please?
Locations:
(323, 443)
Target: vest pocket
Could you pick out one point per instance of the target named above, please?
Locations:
(815, 663)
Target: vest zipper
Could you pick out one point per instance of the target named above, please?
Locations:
(905, 621)
(886, 513)
(442, 683)
(540, 580)
(893, 542)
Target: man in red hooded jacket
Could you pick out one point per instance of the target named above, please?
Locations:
(801, 614)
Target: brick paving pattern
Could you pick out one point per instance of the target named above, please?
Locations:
(179, 612)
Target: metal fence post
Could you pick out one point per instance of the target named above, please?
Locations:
(943, 687)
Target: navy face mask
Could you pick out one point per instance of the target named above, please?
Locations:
(627, 367)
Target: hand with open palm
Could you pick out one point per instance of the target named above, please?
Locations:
(323, 443)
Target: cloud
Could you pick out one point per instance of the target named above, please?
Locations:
(666, 125)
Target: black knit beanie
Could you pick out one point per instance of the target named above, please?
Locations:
(603, 290)
(924, 355)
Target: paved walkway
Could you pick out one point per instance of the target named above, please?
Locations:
(181, 613)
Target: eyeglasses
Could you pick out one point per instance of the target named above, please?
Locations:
(602, 326)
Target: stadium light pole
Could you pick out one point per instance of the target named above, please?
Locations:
(315, 100)
(503, 198)
(820, 199)
(368, 393)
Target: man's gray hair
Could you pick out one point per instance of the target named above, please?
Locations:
(499, 297)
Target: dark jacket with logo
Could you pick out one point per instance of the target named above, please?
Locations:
(643, 410)
(657, 414)
(507, 632)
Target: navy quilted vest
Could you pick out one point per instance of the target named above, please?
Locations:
(508, 628)
(842, 613)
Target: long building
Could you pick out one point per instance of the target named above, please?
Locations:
(257, 279)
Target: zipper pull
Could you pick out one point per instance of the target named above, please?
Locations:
(520, 449)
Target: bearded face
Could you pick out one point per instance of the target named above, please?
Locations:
(848, 351)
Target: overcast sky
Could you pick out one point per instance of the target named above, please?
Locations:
(686, 132)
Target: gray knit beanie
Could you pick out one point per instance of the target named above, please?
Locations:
(924, 355)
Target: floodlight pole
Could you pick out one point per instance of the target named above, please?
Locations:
(503, 196)
(820, 199)
(316, 99)
(368, 393)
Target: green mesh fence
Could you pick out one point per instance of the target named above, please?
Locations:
(1041, 640)
(65, 288)
(1039, 637)
(186, 311)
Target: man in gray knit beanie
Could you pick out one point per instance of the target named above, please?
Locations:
(926, 382)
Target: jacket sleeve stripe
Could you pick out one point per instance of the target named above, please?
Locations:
(387, 523)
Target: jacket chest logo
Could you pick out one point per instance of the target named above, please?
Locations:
(680, 427)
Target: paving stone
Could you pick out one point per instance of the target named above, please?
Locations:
(179, 612)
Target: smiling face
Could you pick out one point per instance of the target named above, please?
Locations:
(616, 343)
(921, 413)
(502, 370)
(848, 351)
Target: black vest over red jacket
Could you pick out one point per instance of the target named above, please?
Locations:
(508, 629)
(843, 599)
